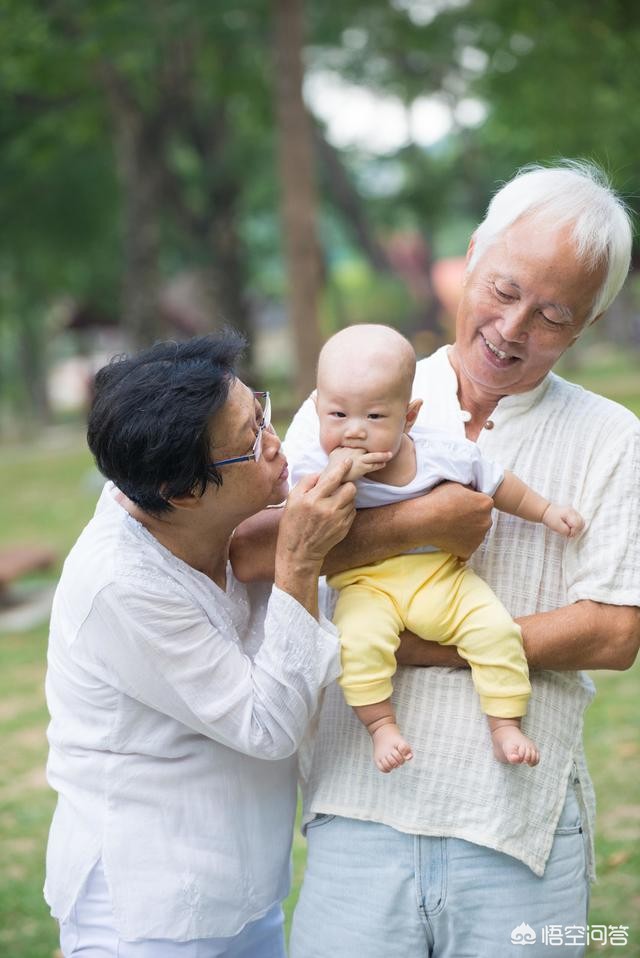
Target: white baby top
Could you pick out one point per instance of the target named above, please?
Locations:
(439, 457)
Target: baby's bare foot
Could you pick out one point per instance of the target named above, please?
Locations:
(512, 747)
(390, 750)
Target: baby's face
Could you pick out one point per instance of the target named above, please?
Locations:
(366, 412)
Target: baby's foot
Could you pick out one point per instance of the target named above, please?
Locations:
(390, 750)
(512, 747)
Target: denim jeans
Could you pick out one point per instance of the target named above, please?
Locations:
(373, 892)
(89, 932)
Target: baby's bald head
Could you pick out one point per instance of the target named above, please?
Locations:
(368, 352)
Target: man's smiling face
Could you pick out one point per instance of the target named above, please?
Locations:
(524, 303)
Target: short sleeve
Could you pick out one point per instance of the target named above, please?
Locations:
(460, 460)
(487, 475)
(603, 564)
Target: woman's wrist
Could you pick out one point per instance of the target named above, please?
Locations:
(298, 576)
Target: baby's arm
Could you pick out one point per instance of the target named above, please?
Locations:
(362, 462)
(517, 498)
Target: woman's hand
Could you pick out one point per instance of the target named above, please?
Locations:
(318, 514)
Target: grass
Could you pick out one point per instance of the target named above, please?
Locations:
(49, 493)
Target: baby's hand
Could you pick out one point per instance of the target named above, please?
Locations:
(563, 519)
(362, 462)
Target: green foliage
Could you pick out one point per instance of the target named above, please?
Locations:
(195, 81)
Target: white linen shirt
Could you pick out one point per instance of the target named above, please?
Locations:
(176, 709)
(573, 447)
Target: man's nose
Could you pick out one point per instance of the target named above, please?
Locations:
(513, 324)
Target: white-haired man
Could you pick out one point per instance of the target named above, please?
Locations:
(457, 854)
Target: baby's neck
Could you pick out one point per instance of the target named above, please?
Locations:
(401, 469)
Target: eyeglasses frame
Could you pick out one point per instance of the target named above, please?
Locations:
(256, 449)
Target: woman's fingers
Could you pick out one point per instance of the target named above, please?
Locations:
(332, 478)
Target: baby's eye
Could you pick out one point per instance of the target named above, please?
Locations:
(375, 415)
(336, 414)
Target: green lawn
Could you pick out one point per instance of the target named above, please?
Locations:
(48, 493)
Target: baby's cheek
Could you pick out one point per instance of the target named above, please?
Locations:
(329, 437)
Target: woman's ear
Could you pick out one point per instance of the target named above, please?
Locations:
(412, 413)
(189, 500)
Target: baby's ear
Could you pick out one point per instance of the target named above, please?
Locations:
(412, 413)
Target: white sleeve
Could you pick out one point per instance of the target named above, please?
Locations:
(302, 443)
(603, 564)
(487, 475)
(461, 461)
(163, 651)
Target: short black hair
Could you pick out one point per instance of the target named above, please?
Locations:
(149, 422)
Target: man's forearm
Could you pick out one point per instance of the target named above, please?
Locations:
(451, 518)
(585, 635)
(375, 534)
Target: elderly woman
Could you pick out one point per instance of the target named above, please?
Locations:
(178, 696)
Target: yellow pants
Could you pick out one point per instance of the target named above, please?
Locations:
(439, 598)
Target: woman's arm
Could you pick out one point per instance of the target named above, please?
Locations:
(451, 517)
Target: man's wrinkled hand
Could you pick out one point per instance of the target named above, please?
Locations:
(459, 518)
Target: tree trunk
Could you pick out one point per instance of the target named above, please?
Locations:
(138, 144)
(298, 192)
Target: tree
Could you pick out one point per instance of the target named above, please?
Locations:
(298, 191)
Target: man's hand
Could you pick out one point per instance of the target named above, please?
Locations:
(459, 518)
(362, 462)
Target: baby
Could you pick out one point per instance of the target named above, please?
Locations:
(366, 414)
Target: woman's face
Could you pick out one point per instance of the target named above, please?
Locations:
(247, 486)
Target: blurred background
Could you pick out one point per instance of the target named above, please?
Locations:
(287, 167)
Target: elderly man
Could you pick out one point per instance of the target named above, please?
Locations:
(456, 854)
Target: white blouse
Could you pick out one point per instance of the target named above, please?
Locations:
(176, 709)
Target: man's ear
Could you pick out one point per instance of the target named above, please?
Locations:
(412, 414)
(470, 250)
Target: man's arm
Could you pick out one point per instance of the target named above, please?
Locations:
(585, 635)
(451, 517)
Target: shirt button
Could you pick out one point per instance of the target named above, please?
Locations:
(488, 424)
(465, 416)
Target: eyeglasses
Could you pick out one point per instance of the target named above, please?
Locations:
(256, 449)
